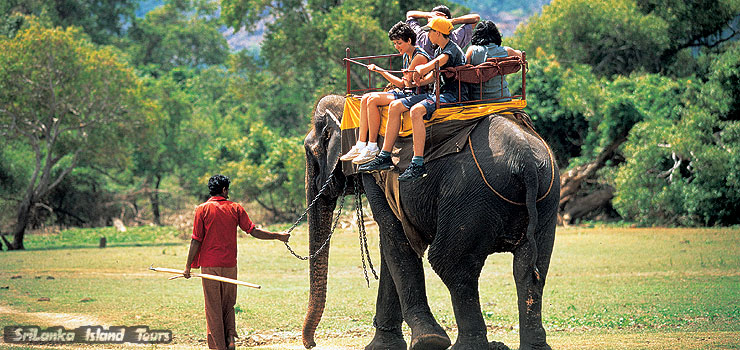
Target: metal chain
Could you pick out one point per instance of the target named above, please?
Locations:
(321, 191)
(364, 251)
(323, 245)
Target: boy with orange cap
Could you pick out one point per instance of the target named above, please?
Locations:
(421, 107)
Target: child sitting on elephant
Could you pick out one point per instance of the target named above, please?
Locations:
(404, 40)
(422, 106)
(486, 44)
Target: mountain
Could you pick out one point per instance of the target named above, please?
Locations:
(507, 14)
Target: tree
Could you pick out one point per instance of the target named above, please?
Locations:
(68, 100)
(160, 147)
(640, 71)
(692, 23)
(682, 170)
(624, 36)
(180, 33)
(102, 20)
(612, 36)
(267, 169)
(305, 41)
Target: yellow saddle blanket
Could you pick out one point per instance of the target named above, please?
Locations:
(351, 118)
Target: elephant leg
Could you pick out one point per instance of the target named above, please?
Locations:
(407, 273)
(388, 316)
(461, 278)
(529, 291)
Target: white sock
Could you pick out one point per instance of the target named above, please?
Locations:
(372, 146)
(360, 144)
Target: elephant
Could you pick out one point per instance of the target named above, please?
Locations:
(504, 200)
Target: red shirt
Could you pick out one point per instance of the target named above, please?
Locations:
(215, 227)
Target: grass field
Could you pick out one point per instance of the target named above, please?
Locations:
(608, 288)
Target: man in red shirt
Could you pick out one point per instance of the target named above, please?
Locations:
(213, 249)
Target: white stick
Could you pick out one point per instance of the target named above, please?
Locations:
(206, 276)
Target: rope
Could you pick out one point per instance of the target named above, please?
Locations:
(549, 152)
(366, 65)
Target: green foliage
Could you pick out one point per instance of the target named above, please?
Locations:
(102, 20)
(612, 36)
(558, 101)
(680, 169)
(278, 102)
(59, 88)
(179, 33)
(691, 21)
(723, 81)
(624, 36)
(600, 73)
(69, 102)
(266, 168)
(299, 33)
(160, 147)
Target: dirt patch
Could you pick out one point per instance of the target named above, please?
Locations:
(68, 321)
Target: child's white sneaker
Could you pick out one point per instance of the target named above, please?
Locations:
(366, 155)
(353, 152)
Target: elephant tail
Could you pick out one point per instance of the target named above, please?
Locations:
(532, 187)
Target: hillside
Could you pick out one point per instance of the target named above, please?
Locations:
(507, 14)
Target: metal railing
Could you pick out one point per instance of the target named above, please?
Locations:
(495, 63)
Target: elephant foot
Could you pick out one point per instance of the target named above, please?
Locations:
(387, 340)
(430, 342)
(433, 338)
(471, 342)
(497, 345)
(543, 346)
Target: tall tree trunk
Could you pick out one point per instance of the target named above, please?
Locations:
(19, 231)
(154, 199)
(571, 181)
(577, 209)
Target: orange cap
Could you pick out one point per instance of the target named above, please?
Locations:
(440, 24)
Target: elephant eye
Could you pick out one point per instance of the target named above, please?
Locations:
(327, 133)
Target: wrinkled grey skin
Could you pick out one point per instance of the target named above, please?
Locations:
(465, 222)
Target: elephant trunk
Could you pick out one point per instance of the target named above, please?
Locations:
(319, 226)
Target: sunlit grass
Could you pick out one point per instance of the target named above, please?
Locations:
(646, 286)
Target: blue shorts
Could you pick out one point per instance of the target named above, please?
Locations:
(428, 101)
(399, 94)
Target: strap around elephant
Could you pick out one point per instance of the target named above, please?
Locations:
(526, 122)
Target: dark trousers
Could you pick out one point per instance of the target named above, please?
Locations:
(220, 298)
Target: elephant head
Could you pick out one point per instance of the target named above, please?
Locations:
(323, 147)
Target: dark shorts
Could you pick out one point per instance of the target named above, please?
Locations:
(428, 101)
(397, 94)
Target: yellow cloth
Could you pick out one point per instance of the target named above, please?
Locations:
(351, 118)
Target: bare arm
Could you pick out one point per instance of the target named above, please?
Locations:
(513, 52)
(194, 248)
(417, 61)
(469, 54)
(472, 18)
(267, 235)
(423, 69)
(429, 66)
(419, 14)
(398, 82)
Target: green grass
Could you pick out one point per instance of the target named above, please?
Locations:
(608, 288)
(89, 238)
